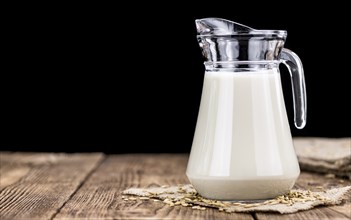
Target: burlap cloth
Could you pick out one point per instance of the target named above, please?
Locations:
(324, 155)
(185, 195)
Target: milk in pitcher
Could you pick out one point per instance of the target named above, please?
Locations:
(242, 146)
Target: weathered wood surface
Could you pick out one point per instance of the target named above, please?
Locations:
(88, 186)
(36, 186)
(100, 196)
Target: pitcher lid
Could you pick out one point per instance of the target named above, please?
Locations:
(223, 27)
(224, 40)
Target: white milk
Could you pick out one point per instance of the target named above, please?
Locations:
(242, 147)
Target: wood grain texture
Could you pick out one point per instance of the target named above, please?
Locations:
(36, 185)
(88, 186)
(100, 198)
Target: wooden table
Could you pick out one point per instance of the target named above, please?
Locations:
(88, 186)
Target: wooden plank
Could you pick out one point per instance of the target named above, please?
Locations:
(311, 181)
(100, 198)
(36, 185)
(315, 214)
(10, 172)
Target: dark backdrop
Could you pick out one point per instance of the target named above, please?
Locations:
(87, 78)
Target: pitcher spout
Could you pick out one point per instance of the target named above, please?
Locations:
(219, 26)
(227, 41)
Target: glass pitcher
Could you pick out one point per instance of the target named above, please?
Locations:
(242, 147)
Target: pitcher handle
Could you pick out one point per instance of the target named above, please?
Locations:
(294, 65)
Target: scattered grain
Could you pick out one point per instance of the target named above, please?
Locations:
(192, 199)
(330, 176)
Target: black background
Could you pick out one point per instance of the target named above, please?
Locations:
(90, 78)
